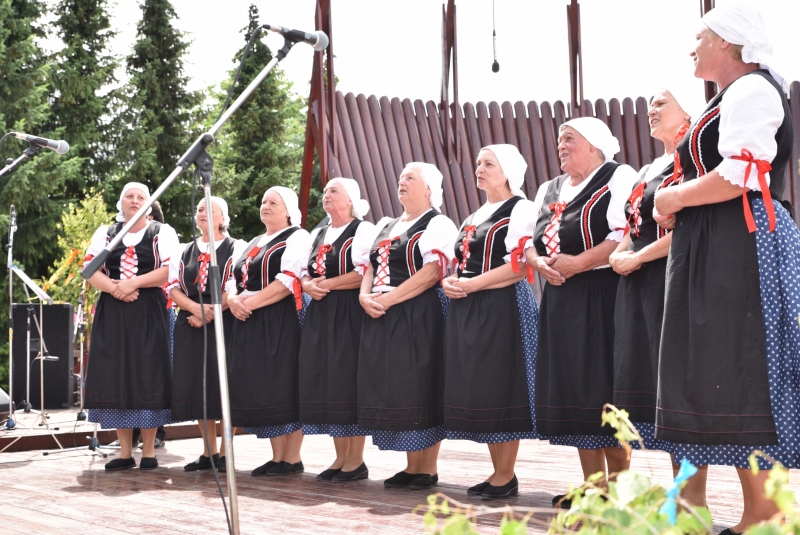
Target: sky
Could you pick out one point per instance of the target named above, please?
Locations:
(631, 47)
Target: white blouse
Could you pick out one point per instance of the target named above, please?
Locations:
(168, 243)
(749, 117)
(440, 235)
(359, 251)
(521, 224)
(175, 262)
(621, 185)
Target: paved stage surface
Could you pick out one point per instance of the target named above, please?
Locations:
(71, 493)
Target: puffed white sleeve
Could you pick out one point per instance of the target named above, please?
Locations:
(362, 243)
(438, 241)
(521, 225)
(97, 244)
(314, 234)
(749, 117)
(168, 244)
(173, 279)
(295, 257)
(621, 185)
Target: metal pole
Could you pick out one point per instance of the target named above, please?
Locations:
(216, 300)
(12, 228)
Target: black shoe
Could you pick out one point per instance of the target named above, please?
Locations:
(400, 479)
(261, 470)
(362, 472)
(478, 489)
(561, 501)
(202, 463)
(506, 491)
(284, 468)
(326, 475)
(148, 463)
(728, 531)
(120, 464)
(423, 481)
(221, 468)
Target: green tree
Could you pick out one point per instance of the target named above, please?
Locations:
(262, 145)
(155, 124)
(82, 70)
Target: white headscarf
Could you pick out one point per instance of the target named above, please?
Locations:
(360, 206)
(292, 205)
(131, 185)
(512, 164)
(740, 24)
(223, 207)
(597, 134)
(691, 100)
(433, 178)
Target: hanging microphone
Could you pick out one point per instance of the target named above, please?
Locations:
(60, 146)
(318, 40)
(13, 217)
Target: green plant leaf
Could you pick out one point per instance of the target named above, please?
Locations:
(631, 485)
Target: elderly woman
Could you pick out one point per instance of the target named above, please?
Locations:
(641, 259)
(264, 297)
(401, 354)
(188, 275)
(489, 381)
(128, 381)
(332, 330)
(730, 346)
(581, 221)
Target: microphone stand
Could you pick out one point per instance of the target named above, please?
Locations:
(12, 164)
(12, 228)
(197, 154)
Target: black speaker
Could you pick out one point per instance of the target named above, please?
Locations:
(58, 339)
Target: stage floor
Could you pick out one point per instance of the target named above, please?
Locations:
(71, 493)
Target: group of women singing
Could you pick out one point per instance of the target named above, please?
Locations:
(672, 293)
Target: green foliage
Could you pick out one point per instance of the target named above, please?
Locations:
(83, 70)
(261, 146)
(156, 114)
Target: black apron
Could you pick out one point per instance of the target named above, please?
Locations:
(129, 364)
(712, 377)
(486, 390)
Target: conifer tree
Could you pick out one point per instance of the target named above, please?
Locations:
(156, 122)
(262, 143)
(82, 71)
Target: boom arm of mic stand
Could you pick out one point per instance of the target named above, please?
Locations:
(189, 157)
(27, 153)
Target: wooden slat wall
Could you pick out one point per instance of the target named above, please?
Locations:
(378, 136)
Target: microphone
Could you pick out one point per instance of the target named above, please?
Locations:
(318, 40)
(60, 146)
(50, 358)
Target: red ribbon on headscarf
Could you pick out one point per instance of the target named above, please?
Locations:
(297, 290)
(465, 245)
(517, 254)
(763, 167)
(324, 249)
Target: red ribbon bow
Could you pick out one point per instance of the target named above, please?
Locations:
(551, 230)
(517, 254)
(465, 244)
(763, 167)
(297, 290)
(635, 199)
(252, 254)
(324, 249)
(382, 275)
(202, 271)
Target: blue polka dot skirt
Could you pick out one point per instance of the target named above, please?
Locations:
(412, 440)
(529, 321)
(129, 418)
(779, 274)
(272, 431)
(173, 317)
(335, 430)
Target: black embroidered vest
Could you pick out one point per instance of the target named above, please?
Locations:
(147, 256)
(264, 264)
(699, 150)
(584, 223)
(338, 259)
(405, 258)
(643, 228)
(190, 265)
(486, 244)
